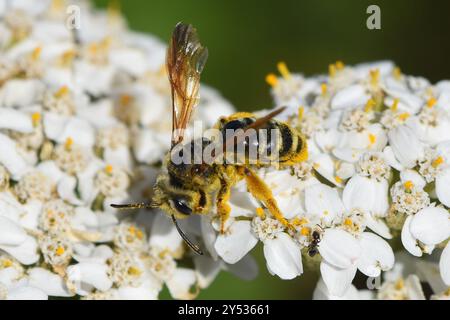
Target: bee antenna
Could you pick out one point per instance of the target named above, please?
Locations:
(193, 246)
(135, 205)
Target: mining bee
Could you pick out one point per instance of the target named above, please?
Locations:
(183, 189)
(313, 247)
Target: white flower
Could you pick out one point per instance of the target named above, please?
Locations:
(424, 230)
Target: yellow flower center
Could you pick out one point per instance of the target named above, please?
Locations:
(60, 251)
(126, 100)
(431, 102)
(301, 111)
(323, 88)
(133, 271)
(372, 139)
(61, 92)
(397, 73)
(35, 118)
(408, 185)
(374, 77)
(338, 179)
(68, 144)
(331, 70)
(399, 284)
(36, 54)
(272, 79)
(370, 104)
(7, 263)
(109, 169)
(339, 65)
(403, 116)
(437, 162)
(283, 70)
(348, 222)
(394, 106)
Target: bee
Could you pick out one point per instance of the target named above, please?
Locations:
(196, 187)
(313, 247)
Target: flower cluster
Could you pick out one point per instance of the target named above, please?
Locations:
(378, 167)
(83, 124)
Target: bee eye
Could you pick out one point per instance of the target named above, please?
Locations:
(181, 206)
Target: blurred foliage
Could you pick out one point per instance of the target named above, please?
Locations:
(247, 38)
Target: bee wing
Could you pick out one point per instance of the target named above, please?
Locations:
(185, 60)
(257, 124)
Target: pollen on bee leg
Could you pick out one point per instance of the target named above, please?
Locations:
(260, 213)
(305, 231)
(68, 144)
(283, 70)
(35, 119)
(272, 79)
(299, 221)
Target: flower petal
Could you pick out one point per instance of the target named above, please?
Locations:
(376, 256)
(10, 157)
(91, 274)
(339, 248)
(337, 280)
(246, 268)
(443, 187)
(409, 242)
(431, 225)
(405, 145)
(11, 233)
(444, 265)
(283, 257)
(51, 283)
(181, 282)
(236, 242)
(323, 201)
(26, 293)
(25, 253)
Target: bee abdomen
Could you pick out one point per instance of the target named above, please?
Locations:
(275, 141)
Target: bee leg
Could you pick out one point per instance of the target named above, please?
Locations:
(223, 208)
(259, 189)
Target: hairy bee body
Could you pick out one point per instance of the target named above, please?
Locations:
(287, 147)
(191, 186)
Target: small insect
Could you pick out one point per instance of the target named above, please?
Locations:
(313, 247)
(183, 189)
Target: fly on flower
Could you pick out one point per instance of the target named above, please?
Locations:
(193, 188)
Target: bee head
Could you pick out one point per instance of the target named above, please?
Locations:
(176, 201)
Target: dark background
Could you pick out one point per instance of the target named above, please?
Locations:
(246, 38)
